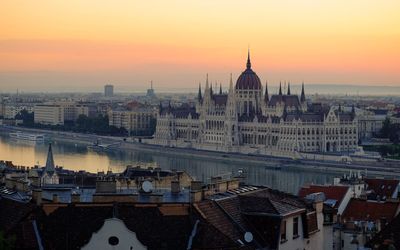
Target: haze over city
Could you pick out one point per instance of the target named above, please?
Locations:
(63, 46)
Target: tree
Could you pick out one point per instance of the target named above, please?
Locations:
(26, 117)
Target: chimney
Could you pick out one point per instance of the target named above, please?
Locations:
(55, 198)
(196, 191)
(37, 196)
(196, 185)
(106, 186)
(175, 187)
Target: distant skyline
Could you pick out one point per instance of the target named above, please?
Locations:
(70, 45)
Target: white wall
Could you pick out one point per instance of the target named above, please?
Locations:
(114, 228)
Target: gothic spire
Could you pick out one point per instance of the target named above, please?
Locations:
(303, 96)
(220, 89)
(266, 98)
(248, 65)
(288, 88)
(280, 88)
(50, 162)
(199, 97)
(231, 84)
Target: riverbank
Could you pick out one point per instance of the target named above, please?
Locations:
(269, 162)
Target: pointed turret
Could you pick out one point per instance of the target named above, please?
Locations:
(49, 168)
(353, 111)
(248, 64)
(230, 84)
(266, 97)
(207, 82)
(220, 89)
(160, 108)
(303, 96)
(288, 88)
(280, 88)
(199, 97)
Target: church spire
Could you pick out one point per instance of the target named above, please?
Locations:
(248, 65)
(49, 168)
(266, 98)
(303, 96)
(280, 88)
(288, 88)
(220, 89)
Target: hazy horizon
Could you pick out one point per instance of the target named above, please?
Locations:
(311, 89)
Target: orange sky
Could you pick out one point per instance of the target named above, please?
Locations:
(61, 45)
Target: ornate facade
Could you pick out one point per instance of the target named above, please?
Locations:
(248, 120)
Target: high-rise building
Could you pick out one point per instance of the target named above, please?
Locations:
(108, 90)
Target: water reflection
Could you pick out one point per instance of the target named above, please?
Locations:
(77, 157)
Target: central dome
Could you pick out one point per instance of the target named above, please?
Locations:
(248, 79)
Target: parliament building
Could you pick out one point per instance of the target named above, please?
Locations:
(249, 120)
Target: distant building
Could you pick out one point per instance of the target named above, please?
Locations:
(60, 112)
(49, 114)
(136, 118)
(108, 90)
(10, 110)
(370, 123)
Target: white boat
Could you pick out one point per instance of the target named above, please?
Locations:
(26, 136)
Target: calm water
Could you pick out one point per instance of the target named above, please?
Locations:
(77, 157)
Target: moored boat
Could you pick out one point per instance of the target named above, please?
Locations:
(27, 136)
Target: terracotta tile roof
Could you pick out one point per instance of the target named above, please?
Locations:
(363, 210)
(388, 235)
(218, 219)
(382, 187)
(258, 211)
(331, 192)
(271, 201)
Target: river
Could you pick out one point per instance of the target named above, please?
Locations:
(76, 156)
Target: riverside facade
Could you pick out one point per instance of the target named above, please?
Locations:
(248, 120)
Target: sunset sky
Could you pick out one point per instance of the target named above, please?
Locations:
(72, 45)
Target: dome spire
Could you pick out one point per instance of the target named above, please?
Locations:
(248, 65)
(266, 98)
